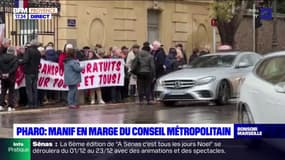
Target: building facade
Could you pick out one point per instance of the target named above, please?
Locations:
(125, 22)
(117, 22)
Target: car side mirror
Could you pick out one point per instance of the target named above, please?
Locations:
(242, 65)
(280, 87)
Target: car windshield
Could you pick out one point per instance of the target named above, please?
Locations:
(272, 70)
(213, 61)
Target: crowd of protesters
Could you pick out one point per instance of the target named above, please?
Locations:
(143, 66)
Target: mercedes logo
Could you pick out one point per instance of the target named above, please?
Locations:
(177, 84)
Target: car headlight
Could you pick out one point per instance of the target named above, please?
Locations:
(205, 80)
(159, 83)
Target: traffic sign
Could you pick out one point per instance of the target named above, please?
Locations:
(265, 13)
(214, 22)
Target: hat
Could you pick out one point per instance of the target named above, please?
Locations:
(11, 50)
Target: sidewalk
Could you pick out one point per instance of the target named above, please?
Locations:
(60, 106)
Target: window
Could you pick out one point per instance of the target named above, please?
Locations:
(153, 25)
(249, 59)
(272, 70)
(28, 30)
(213, 61)
(245, 59)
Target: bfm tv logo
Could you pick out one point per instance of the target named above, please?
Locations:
(21, 11)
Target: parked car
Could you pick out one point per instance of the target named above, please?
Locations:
(262, 98)
(213, 77)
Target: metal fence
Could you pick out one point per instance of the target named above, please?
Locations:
(22, 31)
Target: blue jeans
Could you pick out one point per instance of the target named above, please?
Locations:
(32, 89)
(72, 95)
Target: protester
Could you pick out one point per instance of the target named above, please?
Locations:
(91, 56)
(144, 67)
(8, 68)
(170, 60)
(159, 58)
(98, 47)
(6, 43)
(125, 89)
(72, 77)
(22, 94)
(116, 90)
(180, 47)
(180, 60)
(42, 93)
(50, 54)
(83, 54)
(50, 44)
(31, 63)
(204, 51)
(195, 54)
(133, 78)
(62, 55)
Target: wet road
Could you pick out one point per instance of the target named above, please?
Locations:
(121, 113)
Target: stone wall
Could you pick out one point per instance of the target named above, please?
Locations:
(263, 36)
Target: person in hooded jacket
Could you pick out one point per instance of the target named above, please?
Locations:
(8, 68)
(72, 77)
(144, 66)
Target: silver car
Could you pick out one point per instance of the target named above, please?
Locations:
(213, 77)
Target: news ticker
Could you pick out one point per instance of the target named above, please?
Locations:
(34, 13)
(148, 131)
(140, 149)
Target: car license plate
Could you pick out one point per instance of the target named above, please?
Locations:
(176, 92)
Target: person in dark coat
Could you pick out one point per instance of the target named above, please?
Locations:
(170, 60)
(8, 68)
(195, 54)
(145, 67)
(31, 61)
(50, 54)
(159, 58)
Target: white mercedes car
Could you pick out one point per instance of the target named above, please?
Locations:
(262, 94)
(213, 77)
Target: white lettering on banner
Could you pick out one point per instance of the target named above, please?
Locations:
(97, 73)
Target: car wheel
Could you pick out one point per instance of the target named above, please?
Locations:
(169, 103)
(223, 93)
